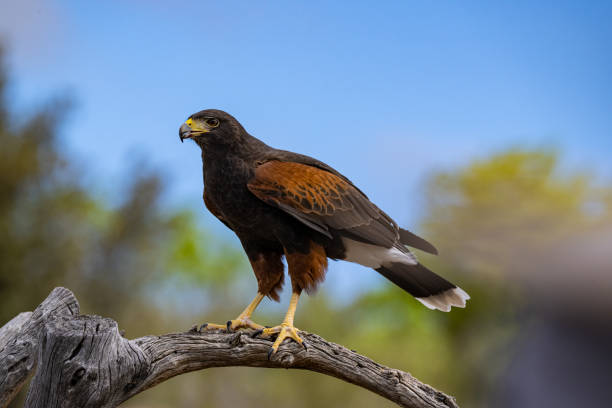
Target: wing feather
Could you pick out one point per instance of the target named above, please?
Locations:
(322, 200)
(413, 240)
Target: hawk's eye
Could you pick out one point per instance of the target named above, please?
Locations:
(212, 122)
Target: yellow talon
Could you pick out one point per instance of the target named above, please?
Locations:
(234, 324)
(212, 326)
(243, 320)
(284, 331)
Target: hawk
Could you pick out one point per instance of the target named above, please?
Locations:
(284, 204)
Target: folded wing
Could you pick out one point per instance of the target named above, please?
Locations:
(323, 201)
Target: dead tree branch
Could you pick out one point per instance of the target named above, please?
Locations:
(19, 340)
(84, 361)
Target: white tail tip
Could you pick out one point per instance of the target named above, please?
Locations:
(443, 301)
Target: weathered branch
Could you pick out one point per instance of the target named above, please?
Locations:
(84, 361)
(19, 340)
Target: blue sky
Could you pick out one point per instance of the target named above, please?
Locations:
(385, 93)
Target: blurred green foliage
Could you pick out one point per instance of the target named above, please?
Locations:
(155, 269)
(117, 257)
(518, 199)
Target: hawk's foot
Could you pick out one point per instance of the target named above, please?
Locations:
(212, 326)
(234, 324)
(284, 331)
(242, 322)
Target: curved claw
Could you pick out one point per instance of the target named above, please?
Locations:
(284, 331)
(273, 349)
(202, 327)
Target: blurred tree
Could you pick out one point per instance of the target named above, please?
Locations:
(56, 233)
(527, 239)
(520, 219)
(117, 258)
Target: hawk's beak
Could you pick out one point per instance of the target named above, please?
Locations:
(185, 131)
(190, 129)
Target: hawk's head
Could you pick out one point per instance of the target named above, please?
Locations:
(211, 125)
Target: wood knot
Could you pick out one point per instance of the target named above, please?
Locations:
(237, 340)
(286, 359)
(76, 377)
(129, 387)
(393, 375)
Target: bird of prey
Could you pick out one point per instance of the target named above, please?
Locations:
(287, 204)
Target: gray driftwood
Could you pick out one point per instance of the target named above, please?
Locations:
(19, 340)
(84, 361)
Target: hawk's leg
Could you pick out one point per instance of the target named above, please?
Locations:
(306, 269)
(286, 328)
(243, 320)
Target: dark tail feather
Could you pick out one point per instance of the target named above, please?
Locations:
(415, 279)
(413, 240)
(432, 290)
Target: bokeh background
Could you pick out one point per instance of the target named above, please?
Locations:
(484, 126)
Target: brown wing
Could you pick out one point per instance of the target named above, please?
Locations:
(323, 201)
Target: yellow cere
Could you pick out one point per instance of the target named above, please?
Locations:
(188, 122)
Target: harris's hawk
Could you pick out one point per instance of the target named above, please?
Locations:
(281, 203)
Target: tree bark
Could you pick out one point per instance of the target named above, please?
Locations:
(19, 340)
(84, 361)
